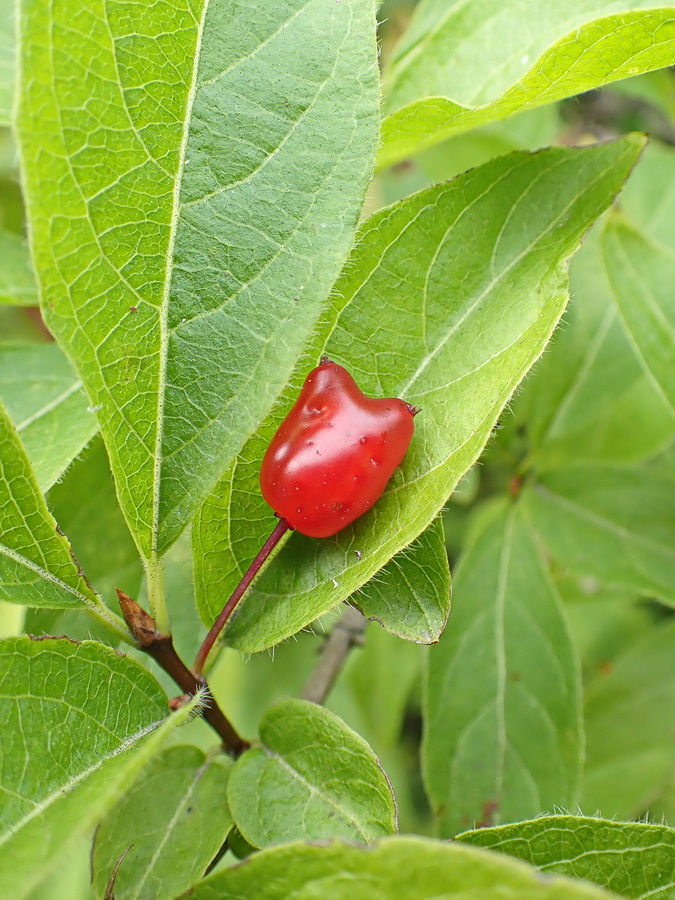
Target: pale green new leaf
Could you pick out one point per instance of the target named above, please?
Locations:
(194, 173)
(614, 523)
(17, 282)
(633, 859)
(410, 596)
(47, 404)
(465, 64)
(405, 868)
(630, 746)
(642, 275)
(312, 778)
(446, 301)
(504, 671)
(176, 817)
(79, 723)
(36, 565)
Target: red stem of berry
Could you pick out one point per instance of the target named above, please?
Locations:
(280, 529)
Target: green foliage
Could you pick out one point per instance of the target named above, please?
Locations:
(36, 563)
(186, 242)
(46, 403)
(496, 60)
(471, 321)
(311, 778)
(609, 522)
(203, 226)
(175, 821)
(640, 274)
(629, 754)
(506, 670)
(632, 859)
(17, 284)
(53, 791)
(407, 868)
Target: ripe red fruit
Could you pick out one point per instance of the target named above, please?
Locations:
(334, 453)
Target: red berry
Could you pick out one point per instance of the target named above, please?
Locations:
(334, 453)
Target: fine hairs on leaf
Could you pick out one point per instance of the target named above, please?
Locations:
(300, 310)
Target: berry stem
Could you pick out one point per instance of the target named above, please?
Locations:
(280, 529)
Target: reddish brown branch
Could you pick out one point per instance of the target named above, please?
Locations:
(160, 647)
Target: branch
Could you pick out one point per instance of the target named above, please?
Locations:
(160, 647)
(346, 633)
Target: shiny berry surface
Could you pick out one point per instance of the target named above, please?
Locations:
(334, 453)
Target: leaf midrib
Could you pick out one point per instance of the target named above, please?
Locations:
(72, 783)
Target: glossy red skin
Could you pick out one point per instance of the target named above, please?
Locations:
(334, 453)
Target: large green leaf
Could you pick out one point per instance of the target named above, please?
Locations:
(630, 750)
(589, 399)
(504, 671)
(176, 818)
(46, 402)
(312, 778)
(642, 275)
(406, 868)
(498, 59)
(446, 301)
(194, 173)
(78, 723)
(633, 859)
(17, 282)
(36, 564)
(614, 523)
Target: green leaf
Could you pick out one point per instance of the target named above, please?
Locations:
(312, 778)
(630, 750)
(589, 399)
(604, 621)
(496, 60)
(86, 507)
(176, 818)
(646, 204)
(504, 670)
(642, 275)
(613, 523)
(373, 690)
(6, 61)
(45, 401)
(17, 282)
(194, 174)
(78, 723)
(446, 301)
(410, 596)
(36, 565)
(631, 859)
(407, 868)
